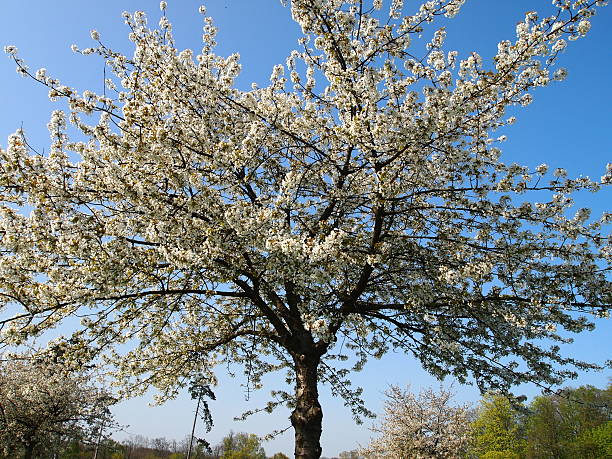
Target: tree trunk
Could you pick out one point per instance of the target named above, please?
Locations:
(307, 417)
(29, 450)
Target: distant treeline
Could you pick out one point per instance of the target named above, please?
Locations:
(233, 446)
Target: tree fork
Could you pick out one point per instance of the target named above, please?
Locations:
(307, 417)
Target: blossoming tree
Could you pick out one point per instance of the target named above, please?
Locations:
(44, 403)
(359, 195)
(423, 426)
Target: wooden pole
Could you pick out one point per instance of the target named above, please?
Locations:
(195, 418)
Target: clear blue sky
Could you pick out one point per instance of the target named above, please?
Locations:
(568, 125)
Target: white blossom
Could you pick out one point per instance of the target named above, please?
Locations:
(584, 26)
(41, 74)
(526, 100)
(559, 45)
(560, 74)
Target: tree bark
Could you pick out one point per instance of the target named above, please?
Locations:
(307, 417)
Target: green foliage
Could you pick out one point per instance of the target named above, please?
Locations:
(544, 429)
(280, 456)
(497, 430)
(567, 425)
(595, 443)
(500, 455)
(572, 424)
(242, 446)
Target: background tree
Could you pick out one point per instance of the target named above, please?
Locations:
(242, 446)
(423, 426)
(595, 443)
(360, 196)
(559, 425)
(83, 449)
(200, 391)
(498, 430)
(42, 404)
(353, 454)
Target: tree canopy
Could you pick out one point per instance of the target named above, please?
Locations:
(361, 194)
